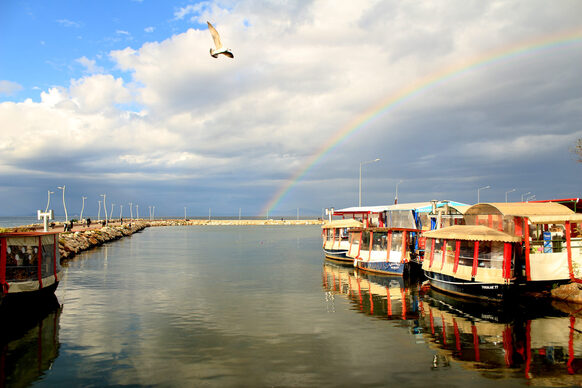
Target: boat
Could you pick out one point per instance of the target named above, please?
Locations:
(505, 249)
(29, 265)
(472, 260)
(335, 239)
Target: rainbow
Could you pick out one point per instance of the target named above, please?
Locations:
(407, 93)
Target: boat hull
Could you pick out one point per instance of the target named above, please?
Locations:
(338, 255)
(471, 289)
(13, 298)
(383, 267)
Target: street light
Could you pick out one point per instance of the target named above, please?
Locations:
(65, 206)
(530, 198)
(130, 211)
(523, 195)
(479, 191)
(360, 190)
(396, 197)
(82, 207)
(48, 201)
(507, 192)
(111, 213)
(184, 213)
(154, 212)
(99, 213)
(120, 211)
(105, 208)
(149, 207)
(137, 211)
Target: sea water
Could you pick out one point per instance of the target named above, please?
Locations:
(258, 306)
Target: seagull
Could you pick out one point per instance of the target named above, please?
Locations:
(219, 49)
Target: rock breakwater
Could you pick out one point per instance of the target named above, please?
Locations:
(71, 243)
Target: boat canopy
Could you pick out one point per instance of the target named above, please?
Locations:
(520, 209)
(553, 219)
(471, 233)
(347, 223)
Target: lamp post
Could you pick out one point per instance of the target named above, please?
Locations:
(507, 192)
(150, 208)
(120, 212)
(137, 211)
(48, 201)
(105, 208)
(111, 213)
(396, 197)
(82, 207)
(360, 188)
(130, 211)
(64, 205)
(479, 192)
(523, 195)
(153, 212)
(99, 213)
(530, 198)
(184, 213)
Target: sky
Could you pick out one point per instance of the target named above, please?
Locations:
(121, 97)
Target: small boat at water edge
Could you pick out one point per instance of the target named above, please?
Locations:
(29, 266)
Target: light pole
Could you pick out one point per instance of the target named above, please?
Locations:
(531, 197)
(507, 192)
(154, 212)
(523, 195)
(111, 213)
(49, 200)
(479, 191)
(82, 207)
(120, 212)
(65, 206)
(99, 213)
(105, 207)
(137, 211)
(130, 211)
(150, 208)
(360, 189)
(396, 197)
(184, 213)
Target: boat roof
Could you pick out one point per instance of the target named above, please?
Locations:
(520, 209)
(348, 223)
(416, 206)
(471, 233)
(28, 234)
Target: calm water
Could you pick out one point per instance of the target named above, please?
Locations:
(258, 306)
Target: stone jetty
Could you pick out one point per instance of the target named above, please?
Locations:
(71, 243)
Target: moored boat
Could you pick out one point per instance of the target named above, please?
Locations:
(335, 239)
(472, 260)
(29, 265)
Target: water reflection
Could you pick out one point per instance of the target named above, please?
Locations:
(29, 340)
(535, 340)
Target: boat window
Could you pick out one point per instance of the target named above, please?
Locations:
(438, 250)
(365, 240)
(380, 241)
(344, 234)
(547, 238)
(466, 253)
(401, 219)
(490, 254)
(48, 251)
(336, 233)
(355, 238)
(450, 252)
(396, 241)
(21, 261)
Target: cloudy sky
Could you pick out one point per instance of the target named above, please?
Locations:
(121, 97)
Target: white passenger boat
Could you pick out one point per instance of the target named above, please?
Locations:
(335, 239)
(505, 245)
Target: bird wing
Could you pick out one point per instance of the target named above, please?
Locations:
(228, 54)
(215, 36)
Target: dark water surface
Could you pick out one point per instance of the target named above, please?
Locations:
(258, 306)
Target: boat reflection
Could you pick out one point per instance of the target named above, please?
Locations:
(29, 341)
(536, 340)
(541, 344)
(386, 297)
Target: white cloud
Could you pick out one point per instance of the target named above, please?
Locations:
(90, 65)
(149, 29)
(302, 72)
(69, 23)
(9, 88)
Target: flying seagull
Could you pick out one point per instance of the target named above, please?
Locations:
(219, 49)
